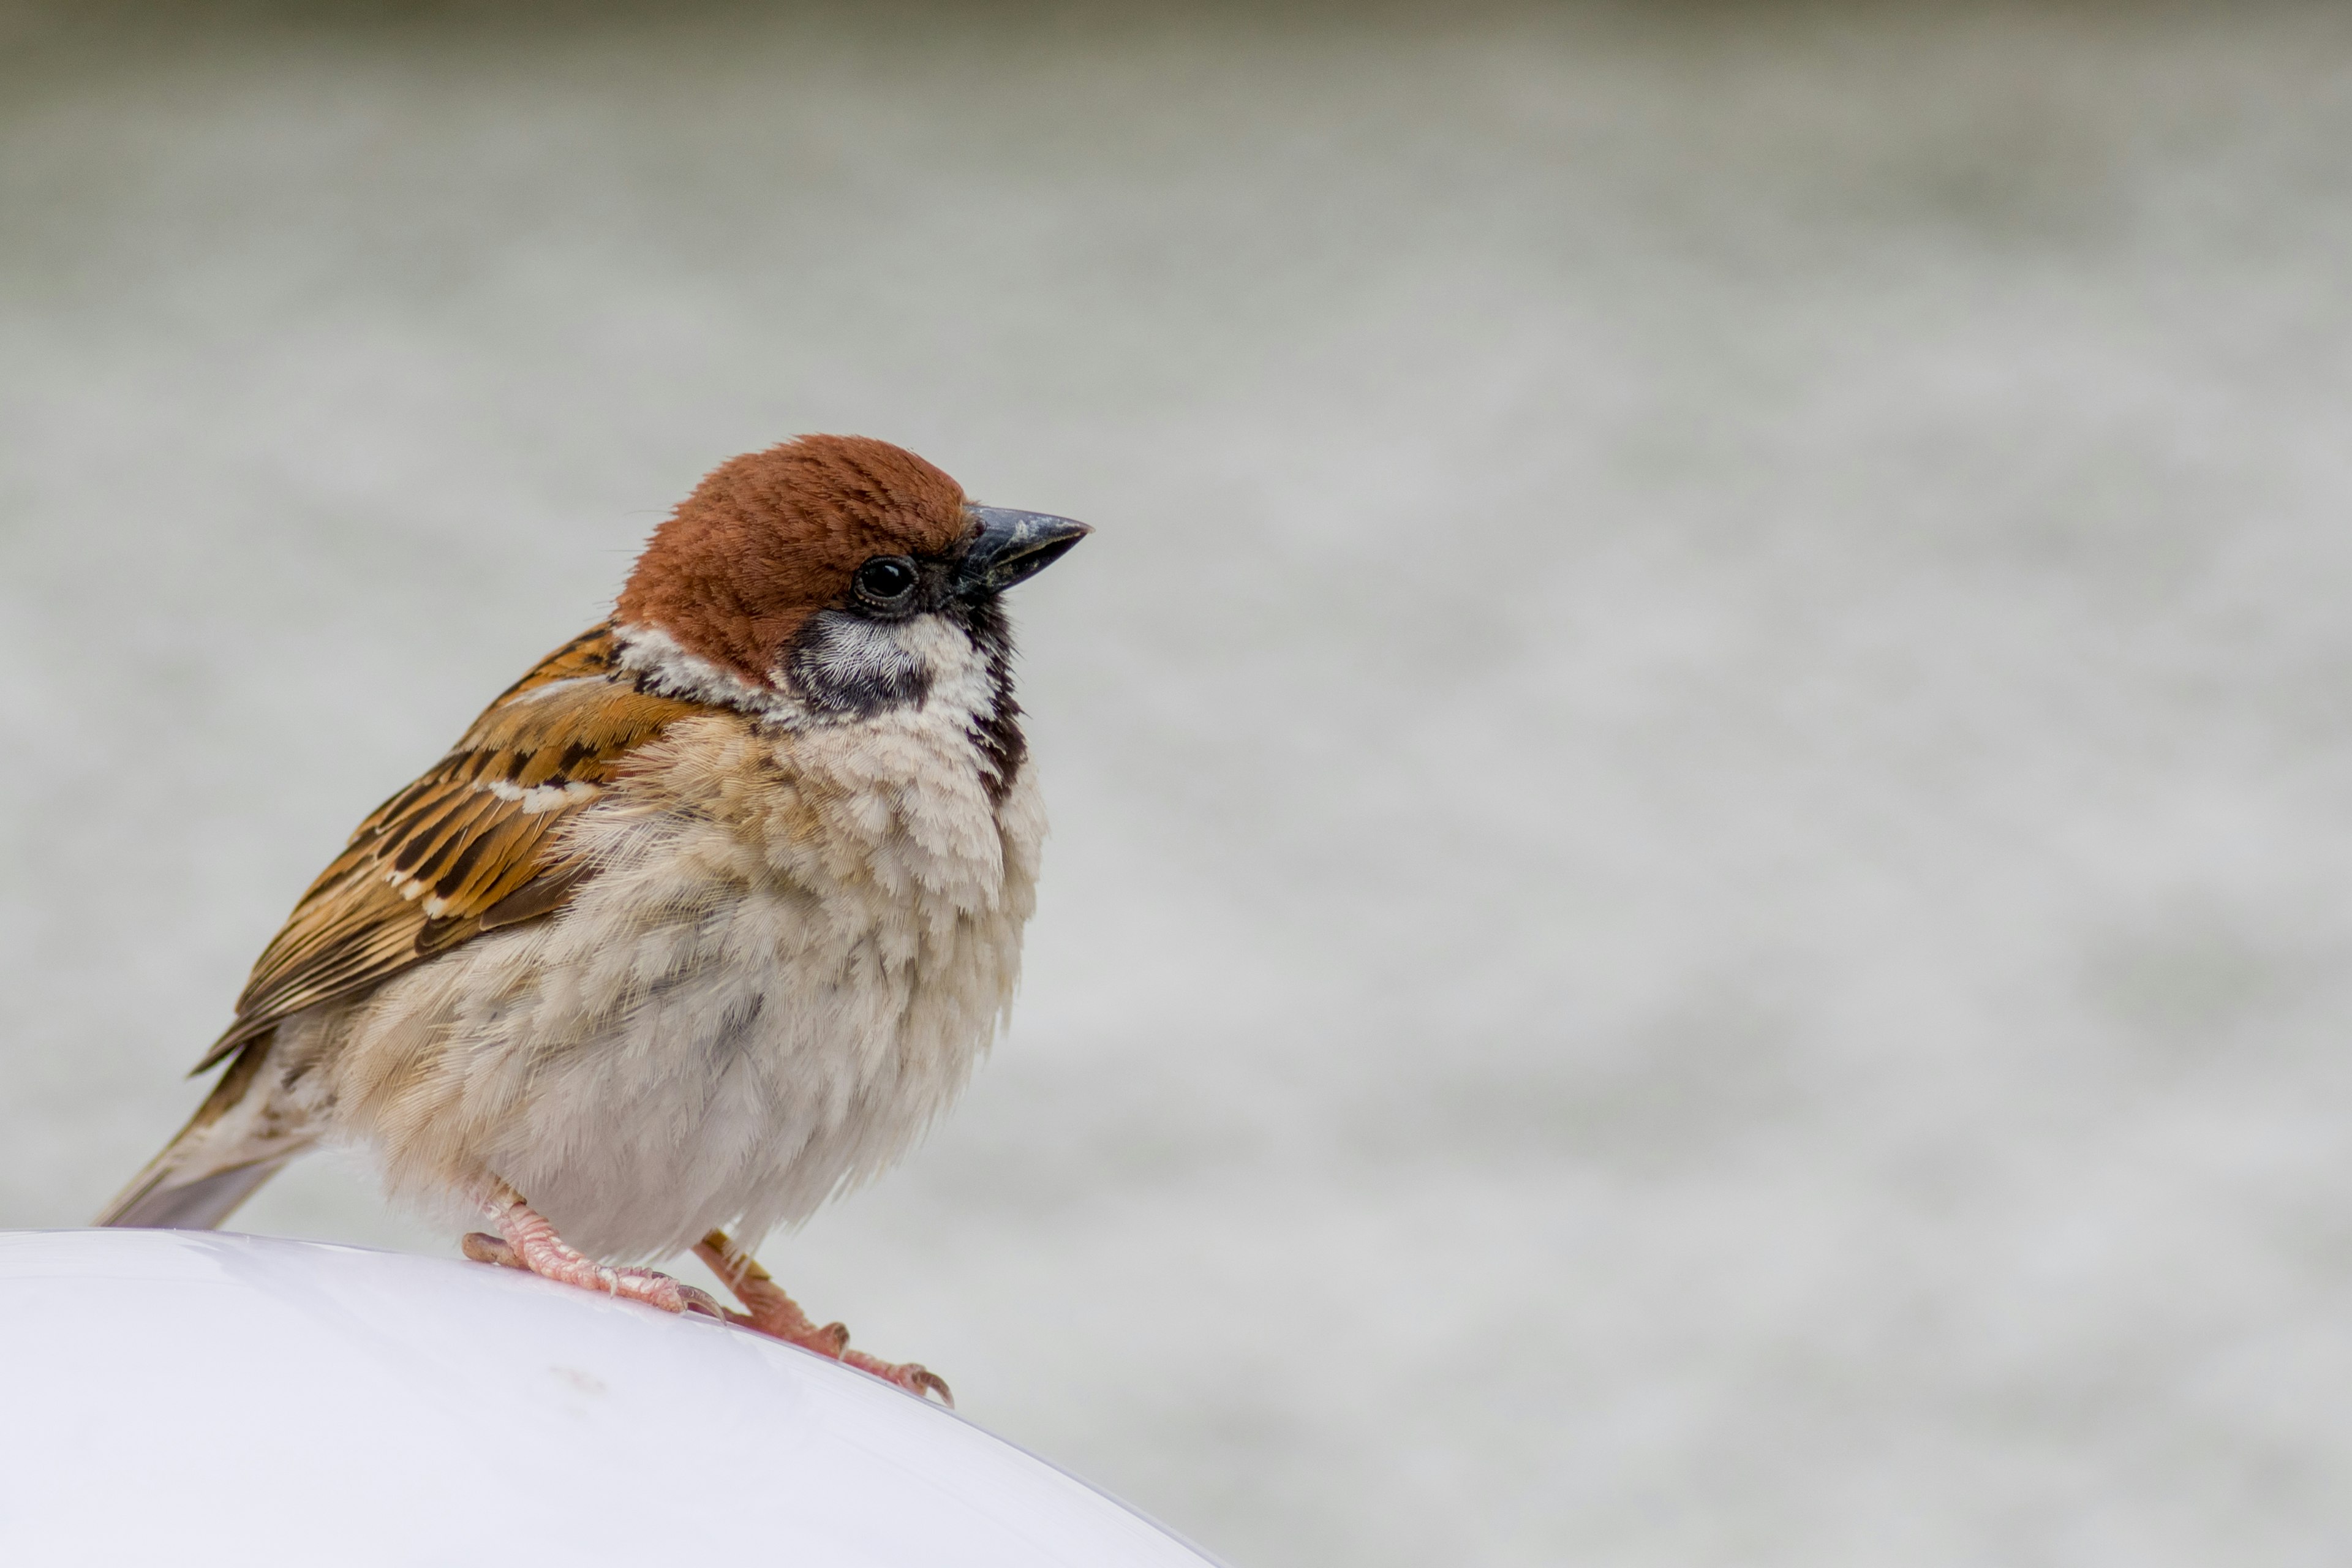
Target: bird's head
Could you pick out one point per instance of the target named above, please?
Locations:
(831, 577)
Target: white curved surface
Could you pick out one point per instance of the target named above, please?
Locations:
(200, 1398)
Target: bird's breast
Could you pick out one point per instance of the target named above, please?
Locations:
(792, 952)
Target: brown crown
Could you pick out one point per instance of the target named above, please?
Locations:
(769, 538)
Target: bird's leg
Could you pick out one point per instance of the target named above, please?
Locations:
(773, 1313)
(525, 1240)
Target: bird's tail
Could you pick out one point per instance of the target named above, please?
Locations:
(229, 1147)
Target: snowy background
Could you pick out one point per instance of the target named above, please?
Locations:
(1701, 909)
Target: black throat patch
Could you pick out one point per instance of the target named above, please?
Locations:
(996, 734)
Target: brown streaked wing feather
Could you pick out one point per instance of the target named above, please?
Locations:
(457, 852)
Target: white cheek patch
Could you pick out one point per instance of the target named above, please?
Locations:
(843, 667)
(668, 671)
(848, 665)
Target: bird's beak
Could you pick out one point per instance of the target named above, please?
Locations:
(1012, 547)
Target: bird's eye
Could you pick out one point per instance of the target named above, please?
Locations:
(886, 580)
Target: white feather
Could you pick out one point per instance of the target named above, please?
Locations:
(799, 940)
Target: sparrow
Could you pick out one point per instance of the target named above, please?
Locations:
(702, 923)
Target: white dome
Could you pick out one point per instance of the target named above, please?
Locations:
(197, 1398)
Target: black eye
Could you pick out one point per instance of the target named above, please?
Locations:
(886, 580)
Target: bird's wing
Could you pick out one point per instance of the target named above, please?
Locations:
(468, 847)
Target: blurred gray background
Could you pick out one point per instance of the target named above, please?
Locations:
(1702, 867)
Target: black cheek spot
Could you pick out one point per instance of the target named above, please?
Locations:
(846, 667)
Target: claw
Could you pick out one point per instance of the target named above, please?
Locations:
(913, 1376)
(657, 1289)
(698, 1300)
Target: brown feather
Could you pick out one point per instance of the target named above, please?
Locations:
(450, 857)
(769, 538)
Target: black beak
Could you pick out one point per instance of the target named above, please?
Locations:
(1012, 547)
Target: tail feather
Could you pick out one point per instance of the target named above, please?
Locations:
(227, 1149)
(166, 1202)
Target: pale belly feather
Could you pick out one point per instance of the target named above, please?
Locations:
(785, 968)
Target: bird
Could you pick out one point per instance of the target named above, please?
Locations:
(701, 923)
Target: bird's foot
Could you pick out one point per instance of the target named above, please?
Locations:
(771, 1312)
(525, 1240)
(911, 1375)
